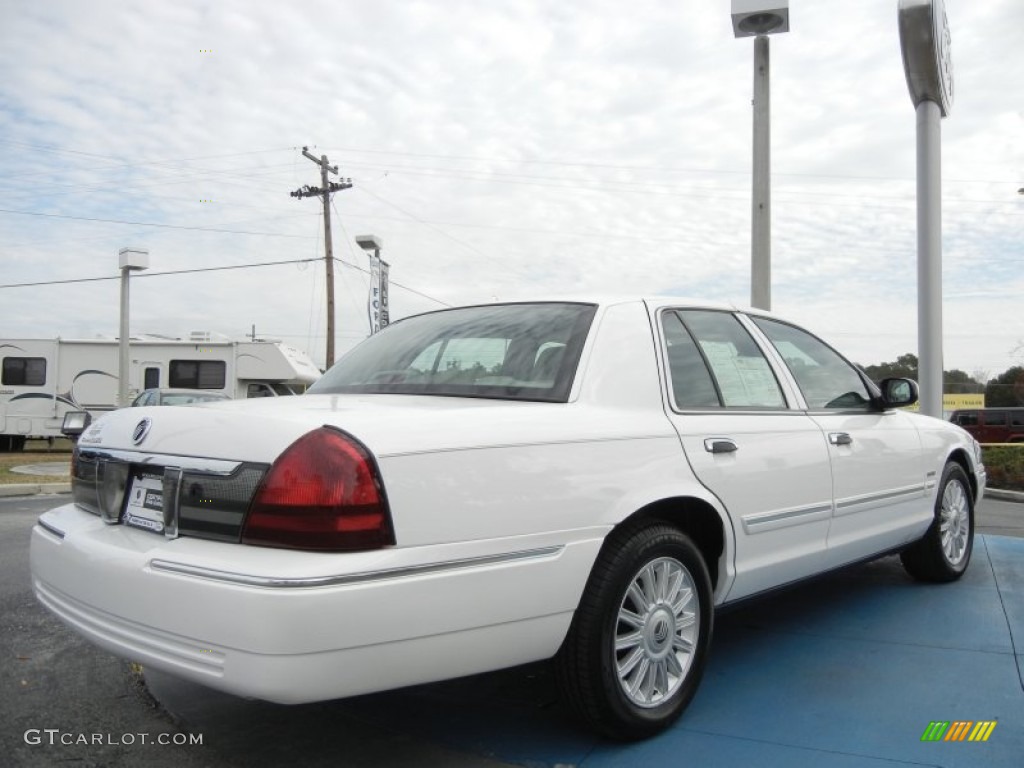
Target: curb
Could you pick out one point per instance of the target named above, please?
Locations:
(995, 493)
(32, 489)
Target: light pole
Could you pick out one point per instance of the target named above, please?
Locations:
(129, 259)
(925, 43)
(758, 19)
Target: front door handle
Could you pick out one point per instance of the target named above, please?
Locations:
(840, 438)
(720, 445)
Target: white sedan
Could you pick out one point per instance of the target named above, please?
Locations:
(485, 486)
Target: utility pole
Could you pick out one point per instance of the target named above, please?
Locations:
(324, 191)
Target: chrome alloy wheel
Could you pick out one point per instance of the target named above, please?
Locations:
(954, 522)
(656, 633)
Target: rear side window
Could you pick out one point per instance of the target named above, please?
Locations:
(692, 385)
(24, 371)
(503, 351)
(716, 342)
(995, 419)
(969, 419)
(197, 374)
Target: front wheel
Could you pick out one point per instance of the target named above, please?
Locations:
(945, 550)
(638, 643)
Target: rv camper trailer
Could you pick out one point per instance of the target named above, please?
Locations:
(42, 379)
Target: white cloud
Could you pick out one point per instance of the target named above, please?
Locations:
(499, 149)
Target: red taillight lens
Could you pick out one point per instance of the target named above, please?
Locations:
(322, 493)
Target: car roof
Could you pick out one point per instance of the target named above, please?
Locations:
(606, 300)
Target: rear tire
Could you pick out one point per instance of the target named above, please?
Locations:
(944, 552)
(638, 643)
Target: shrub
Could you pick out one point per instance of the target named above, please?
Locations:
(1005, 465)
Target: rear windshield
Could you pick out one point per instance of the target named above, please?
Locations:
(504, 351)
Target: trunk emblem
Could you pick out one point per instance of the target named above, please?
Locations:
(141, 430)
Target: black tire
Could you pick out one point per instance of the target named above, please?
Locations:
(943, 553)
(670, 633)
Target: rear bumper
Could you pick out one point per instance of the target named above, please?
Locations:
(295, 627)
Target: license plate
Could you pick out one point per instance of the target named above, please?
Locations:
(144, 502)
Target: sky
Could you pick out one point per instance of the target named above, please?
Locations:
(500, 149)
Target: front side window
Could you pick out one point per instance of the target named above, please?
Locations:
(505, 351)
(197, 374)
(826, 379)
(24, 371)
(740, 376)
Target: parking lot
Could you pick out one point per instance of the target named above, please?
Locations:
(849, 670)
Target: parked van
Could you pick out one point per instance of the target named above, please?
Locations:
(992, 425)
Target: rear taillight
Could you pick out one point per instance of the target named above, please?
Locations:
(323, 493)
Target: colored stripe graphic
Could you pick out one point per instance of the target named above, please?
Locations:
(983, 730)
(959, 730)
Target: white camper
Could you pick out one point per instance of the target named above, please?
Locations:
(42, 379)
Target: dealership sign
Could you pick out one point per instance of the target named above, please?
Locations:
(927, 55)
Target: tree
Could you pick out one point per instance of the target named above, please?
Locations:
(1006, 389)
(957, 382)
(954, 382)
(904, 367)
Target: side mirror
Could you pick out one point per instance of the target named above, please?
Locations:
(899, 393)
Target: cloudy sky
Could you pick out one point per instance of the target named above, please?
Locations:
(499, 148)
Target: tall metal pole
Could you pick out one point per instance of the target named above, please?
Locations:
(928, 64)
(761, 206)
(929, 256)
(329, 259)
(122, 356)
(128, 259)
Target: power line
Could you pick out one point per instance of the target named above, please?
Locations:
(646, 168)
(418, 220)
(140, 275)
(150, 224)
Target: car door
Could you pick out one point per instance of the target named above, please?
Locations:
(766, 461)
(880, 483)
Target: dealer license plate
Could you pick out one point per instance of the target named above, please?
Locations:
(144, 502)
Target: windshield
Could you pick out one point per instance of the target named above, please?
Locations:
(506, 351)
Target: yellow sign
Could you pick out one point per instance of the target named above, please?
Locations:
(952, 403)
(957, 402)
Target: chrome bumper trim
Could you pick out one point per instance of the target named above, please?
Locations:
(161, 460)
(50, 528)
(304, 582)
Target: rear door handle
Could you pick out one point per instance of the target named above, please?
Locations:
(720, 445)
(840, 438)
